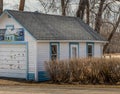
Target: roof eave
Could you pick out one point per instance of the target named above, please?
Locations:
(96, 41)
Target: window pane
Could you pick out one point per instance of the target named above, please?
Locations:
(54, 49)
(54, 53)
(90, 50)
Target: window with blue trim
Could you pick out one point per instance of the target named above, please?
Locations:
(54, 51)
(90, 49)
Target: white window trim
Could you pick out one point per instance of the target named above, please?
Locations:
(77, 51)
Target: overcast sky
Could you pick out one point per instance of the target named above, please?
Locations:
(33, 5)
(30, 5)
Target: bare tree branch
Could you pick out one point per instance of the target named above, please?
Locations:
(109, 23)
(112, 33)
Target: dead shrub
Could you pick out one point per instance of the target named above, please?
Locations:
(85, 71)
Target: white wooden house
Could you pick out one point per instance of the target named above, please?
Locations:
(42, 38)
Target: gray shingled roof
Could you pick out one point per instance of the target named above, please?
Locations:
(53, 27)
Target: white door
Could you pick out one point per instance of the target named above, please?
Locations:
(74, 51)
(13, 60)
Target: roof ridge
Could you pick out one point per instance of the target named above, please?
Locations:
(42, 13)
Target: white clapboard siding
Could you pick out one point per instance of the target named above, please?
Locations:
(32, 56)
(5, 20)
(12, 62)
(64, 51)
(97, 50)
(12, 71)
(43, 54)
(12, 54)
(82, 50)
(13, 66)
(8, 58)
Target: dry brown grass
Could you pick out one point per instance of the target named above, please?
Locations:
(115, 55)
(85, 71)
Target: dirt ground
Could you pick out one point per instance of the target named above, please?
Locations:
(8, 86)
(56, 90)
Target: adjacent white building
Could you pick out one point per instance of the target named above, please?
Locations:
(46, 37)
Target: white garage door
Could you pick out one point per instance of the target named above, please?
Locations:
(13, 60)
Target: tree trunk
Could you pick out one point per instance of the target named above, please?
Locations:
(64, 4)
(87, 12)
(81, 9)
(83, 4)
(1, 6)
(112, 33)
(99, 16)
(63, 7)
(22, 5)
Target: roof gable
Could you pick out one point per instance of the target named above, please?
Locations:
(52, 27)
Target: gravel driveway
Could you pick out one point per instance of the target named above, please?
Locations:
(11, 86)
(56, 90)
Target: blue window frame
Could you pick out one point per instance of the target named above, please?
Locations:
(90, 49)
(54, 51)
